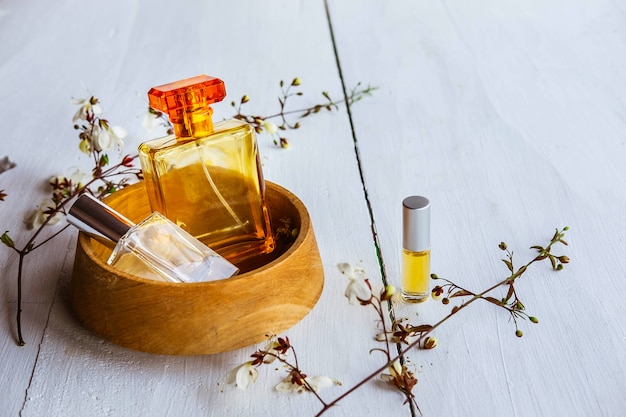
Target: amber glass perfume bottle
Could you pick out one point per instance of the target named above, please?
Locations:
(155, 248)
(207, 177)
(415, 249)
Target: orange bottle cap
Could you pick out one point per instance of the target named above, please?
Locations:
(188, 95)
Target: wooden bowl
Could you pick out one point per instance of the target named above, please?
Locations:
(205, 317)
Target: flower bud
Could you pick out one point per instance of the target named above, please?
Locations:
(245, 99)
(430, 343)
(387, 293)
(502, 246)
(533, 319)
(563, 259)
(519, 333)
(296, 81)
(269, 127)
(6, 239)
(84, 146)
(437, 293)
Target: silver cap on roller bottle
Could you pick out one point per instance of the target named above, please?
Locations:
(97, 219)
(416, 223)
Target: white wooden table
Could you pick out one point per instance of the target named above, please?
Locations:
(509, 115)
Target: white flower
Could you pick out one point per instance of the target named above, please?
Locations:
(315, 382)
(381, 337)
(243, 375)
(78, 177)
(269, 127)
(358, 288)
(105, 138)
(86, 105)
(272, 344)
(395, 371)
(38, 216)
(150, 120)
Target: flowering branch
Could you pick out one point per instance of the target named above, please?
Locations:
(410, 337)
(296, 380)
(96, 136)
(261, 123)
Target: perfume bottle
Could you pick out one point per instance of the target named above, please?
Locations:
(207, 177)
(415, 249)
(155, 248)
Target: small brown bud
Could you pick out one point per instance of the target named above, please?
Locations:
(502, 246)
(437, 292)
(564, 259)
(430, 342)
(387, 293)
(519, 333)
(445, 301)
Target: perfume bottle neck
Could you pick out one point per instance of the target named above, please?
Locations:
(196, 124)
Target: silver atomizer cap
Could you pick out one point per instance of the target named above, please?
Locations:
(416, 223)
(97, 219)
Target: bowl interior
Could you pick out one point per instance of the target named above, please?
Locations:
(285, 217)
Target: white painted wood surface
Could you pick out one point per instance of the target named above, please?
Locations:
(509, 115)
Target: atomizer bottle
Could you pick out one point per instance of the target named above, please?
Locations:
(207, 177)
(415, 249)
(155, 248)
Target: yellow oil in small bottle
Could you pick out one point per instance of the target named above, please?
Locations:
(415, 275)
(415, 249)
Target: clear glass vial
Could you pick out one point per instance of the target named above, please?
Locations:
(155, 248)
(207, 177)
(415, 249)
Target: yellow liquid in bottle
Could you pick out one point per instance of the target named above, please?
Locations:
(415, 275)
(213, 188)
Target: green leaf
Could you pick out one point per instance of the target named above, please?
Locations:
(6, 239)
(509, 264)
(104, 160)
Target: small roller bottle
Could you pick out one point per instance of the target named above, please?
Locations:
(155, 248)
(415, 249)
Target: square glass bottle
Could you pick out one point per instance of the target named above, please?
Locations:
(207, 177)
